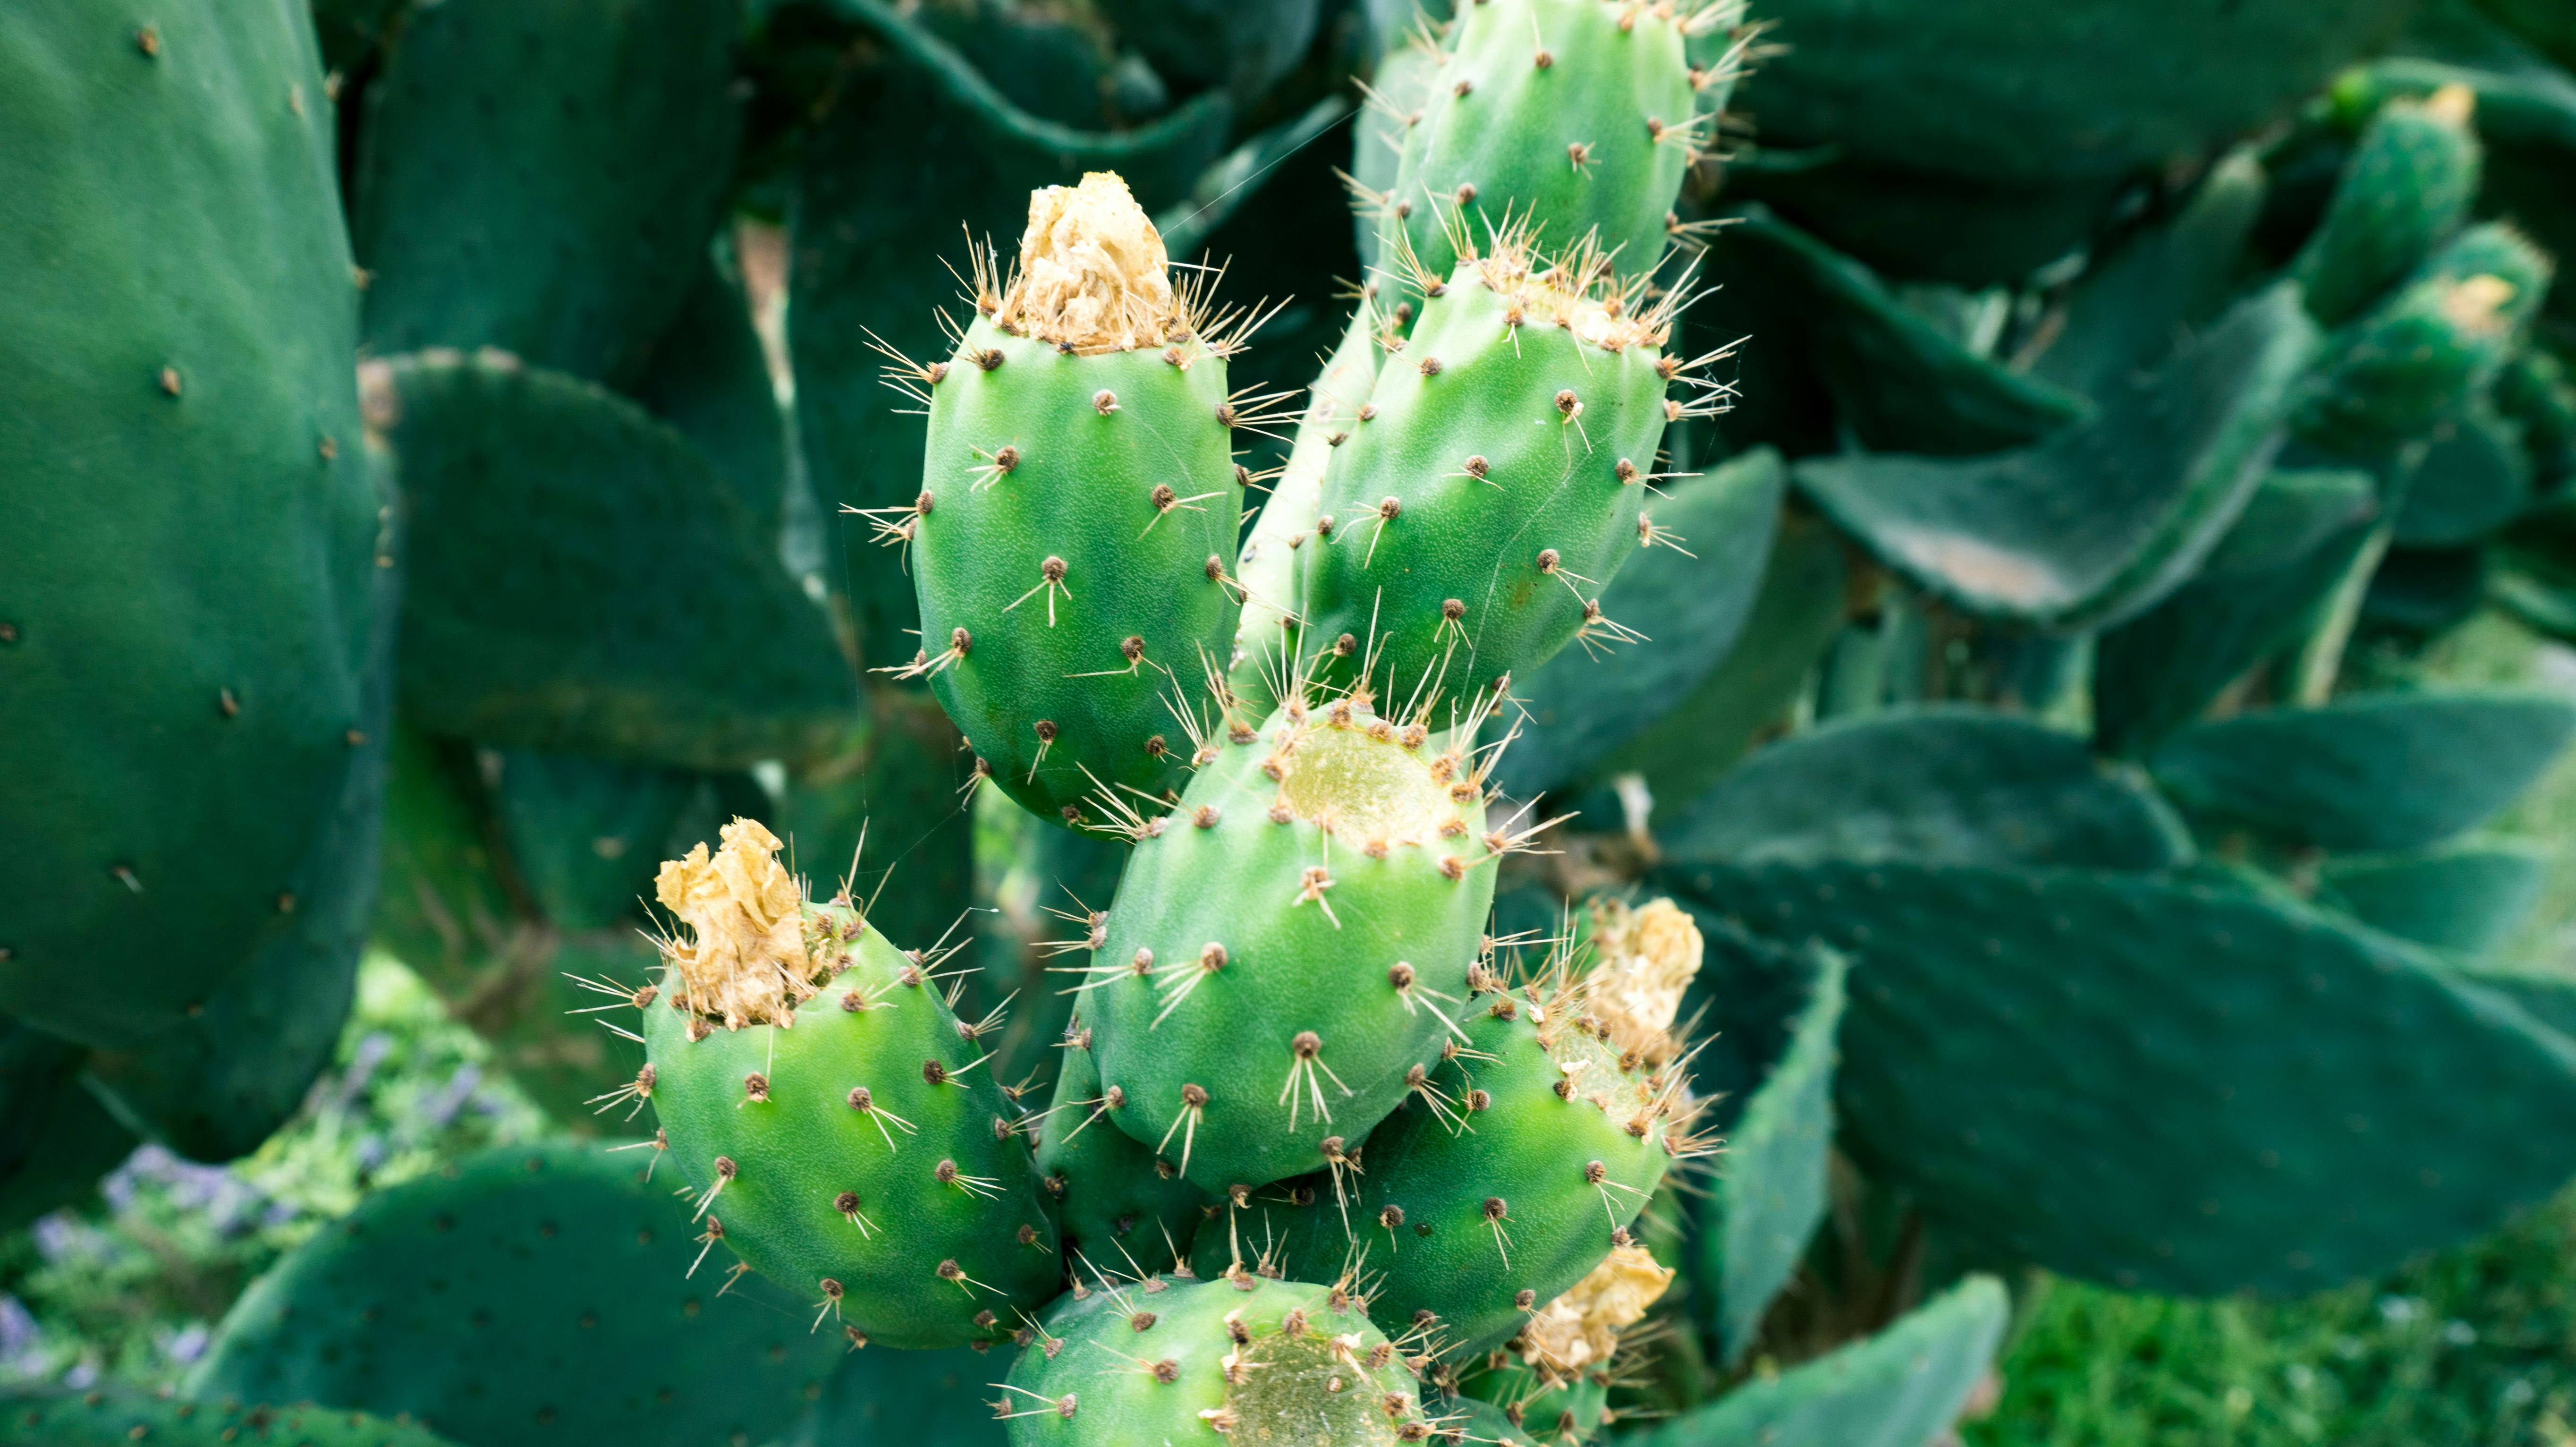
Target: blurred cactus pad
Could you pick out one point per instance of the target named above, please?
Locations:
(1330, 722)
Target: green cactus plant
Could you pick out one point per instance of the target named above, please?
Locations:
(2020, 820)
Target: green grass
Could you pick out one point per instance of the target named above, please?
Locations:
(2475, 1347)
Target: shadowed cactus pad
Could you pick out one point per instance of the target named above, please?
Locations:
(1171, 1359)
(521, 1295)
(1292, 942)
(98, 1419)
(1078, 504)
(830, 1111)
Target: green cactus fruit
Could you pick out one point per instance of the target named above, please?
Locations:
(2101, 520)
(1173, 1359)
(1079, 500)
(1290, 946)
(1113, 1193)
(120, 1419)
(520, 1296)
(1904, 1387)
(2368, 771)
(828, 1108)
(1574, 118)
(1951, 783)
(583, 580)
(566, 233)
(189, 520)
(1409, 55)
(2253, 597)
(863, 271)
(2469, 897)
(1552, 1379)
(2410, 363)
(2405, 190)
(2148, 1128)
(1496, 478)
(1513, 1169)
(1268, 565)
(1701, 594)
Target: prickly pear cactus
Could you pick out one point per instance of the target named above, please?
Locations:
(1291, 945)
(1077, 509)
(1496, 477)
(829, 1110)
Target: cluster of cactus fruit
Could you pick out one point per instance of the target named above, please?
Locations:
(1796, 719)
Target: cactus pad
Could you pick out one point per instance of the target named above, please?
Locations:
(2087, 1071)
(119, 1419)
(2372, 771)
(2100, 521)
(1948, 784)
(652, 623)
(1113, 1192)
(1901, 1388)
(189, 518)
(525, 1295)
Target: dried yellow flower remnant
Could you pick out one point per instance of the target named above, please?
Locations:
(1092, 273)
(2477, 304)
(744, 960)
(2453, 105)
(1581, 1328)
(1645, 959)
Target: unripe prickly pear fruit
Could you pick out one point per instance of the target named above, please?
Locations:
(1517, 1167)
(1078, 506)
(1495, 480)
(1172, 1359)
(1576, 117)
(834, 1115)
(2411, 362)
(2407, 187)
(1290, 945)
(1112, 1192)
(1263, 664)
(1552, 1379)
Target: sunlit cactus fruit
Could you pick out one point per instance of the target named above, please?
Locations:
(1576, 116)
(1114, 1194)
(833, 1115)
(1265, 637)
(1071, 541)
(1497, 476)
(2410, 181)
(1519, 1164)
(1290, 945)
(1175, 1359)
